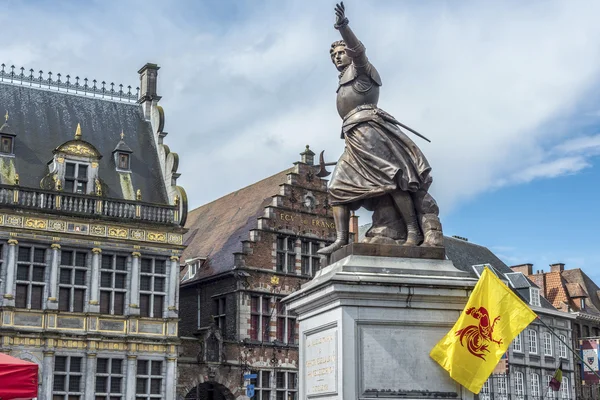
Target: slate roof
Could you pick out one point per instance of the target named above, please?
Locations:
(216, 229)
(45, 119)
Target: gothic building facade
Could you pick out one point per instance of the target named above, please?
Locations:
(245, 252)
(91, 230)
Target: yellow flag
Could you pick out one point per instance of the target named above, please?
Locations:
(493, 317)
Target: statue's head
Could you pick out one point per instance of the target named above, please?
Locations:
(338, 55)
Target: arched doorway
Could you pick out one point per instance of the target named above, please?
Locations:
(209, 391)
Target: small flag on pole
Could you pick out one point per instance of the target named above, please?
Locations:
(556, 380)
(492, 318)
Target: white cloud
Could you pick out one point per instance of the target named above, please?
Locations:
(244, 94)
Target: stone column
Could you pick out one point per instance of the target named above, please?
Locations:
(11, 269)
(170, 388)
(47, 376)
(173, 286)
(95, 281)
(134, 294)
(53, 289)
(90, 377)
(130, 377)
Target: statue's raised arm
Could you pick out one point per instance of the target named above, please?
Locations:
(354, 48)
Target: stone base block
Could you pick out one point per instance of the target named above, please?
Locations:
(367, 325)
(388, 250)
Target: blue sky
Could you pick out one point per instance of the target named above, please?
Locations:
(507, 91)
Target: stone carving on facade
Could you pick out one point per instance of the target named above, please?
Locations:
(381, 168)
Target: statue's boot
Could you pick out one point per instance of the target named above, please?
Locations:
(341, 217)
(405, 205)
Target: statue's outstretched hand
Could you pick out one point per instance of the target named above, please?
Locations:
(340, 14)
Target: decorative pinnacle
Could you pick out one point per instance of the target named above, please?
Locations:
(122, 135)
(78, 132)
(6, 116)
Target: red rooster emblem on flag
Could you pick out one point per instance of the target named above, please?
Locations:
(479, 336)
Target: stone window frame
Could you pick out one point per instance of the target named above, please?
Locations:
(550, 394)
(285, 254)
(535, 385)
(564, 388)
(72, 286)
(76, 178)
(502, 386)
(152, 293)
(68, 375)
(484, 394)
(289, 319)
(150, 377)
(262, 389)
(519, 385)
(123, 156)
(310, 261)
(562, 347)
(286, 387)
(11, 144)
(518, 344)
(109, 375)
(533, 345)
(548, 344)
(220, 313)
(260, 317)
(113, 271)
(29, 283)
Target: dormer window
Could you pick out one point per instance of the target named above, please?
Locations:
(6, 144)
(534, 296)
(123, 161)
(76, 178)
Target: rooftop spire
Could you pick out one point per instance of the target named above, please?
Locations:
(6, 116)
(122, 135)
(78, 132)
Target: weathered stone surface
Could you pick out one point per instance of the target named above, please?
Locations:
(385, 250)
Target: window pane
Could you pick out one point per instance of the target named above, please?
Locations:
(280, 243)
(105, 279)
(140, 387)
(82, 172)
(101, 382)
(281, 380)
(21, 296)
(120, 280)
(104, 302)
(66, 258)
(107, 262)
(117, 366)
(121, 263)
(36, 297)
(119, 303)
(24, 253)
(65, 276)
(39, 256)
(70, 170)
(155, 386)
(158, 306)
(80, 259)
(156, 367)
(254, 303)
(291, 243)
(144, 305)
(160, 266)
(69, 186)
(266, 305)
(147, 265)
(159, 284)
(145, 283)
(63, 299)
(115, 385)
(75, 364)
(60, 364)
(142, 367)
(102, 366)
(78, 300)
(80, 277)
(38, 274)
(59, 383)
(6, 145)
(23, 273)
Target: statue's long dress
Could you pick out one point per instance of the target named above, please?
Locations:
(379, 158)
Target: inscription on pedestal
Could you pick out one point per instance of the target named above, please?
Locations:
(320, 365)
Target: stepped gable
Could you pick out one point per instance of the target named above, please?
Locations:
(228, 231)
(45, 119)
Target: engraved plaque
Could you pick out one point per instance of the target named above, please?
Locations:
(70, 322)
(28, 320)
(115, 326)
(146, 327)
(320, 362)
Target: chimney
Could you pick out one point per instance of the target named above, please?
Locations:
(558, 267)
(307, 156)
(148, 96)
(354, 226)
(526, 269)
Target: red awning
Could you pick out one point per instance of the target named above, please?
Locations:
(18, 378)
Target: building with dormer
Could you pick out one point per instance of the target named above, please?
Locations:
(91, 230)
(245, 252)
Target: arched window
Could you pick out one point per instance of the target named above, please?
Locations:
(547, 344)
(564, 388)
(519, 389)
(533, 347)
(535, 386)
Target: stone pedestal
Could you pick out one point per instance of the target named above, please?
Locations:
(368, 323)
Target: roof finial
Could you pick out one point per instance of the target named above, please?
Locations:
(122, 135)
(6, 116)
(78, 132)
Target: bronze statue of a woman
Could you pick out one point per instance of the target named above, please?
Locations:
(381, 169)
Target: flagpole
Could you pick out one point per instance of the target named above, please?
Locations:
(570, 349)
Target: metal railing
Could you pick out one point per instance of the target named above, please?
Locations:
(83, 87)
(81, 204)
